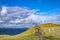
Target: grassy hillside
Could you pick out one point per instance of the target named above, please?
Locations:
(49, 31)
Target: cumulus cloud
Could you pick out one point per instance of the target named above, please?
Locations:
(15, 15)
(12, 17)
(44, 19)
(3, 11)
(1, 21)
(16, 21)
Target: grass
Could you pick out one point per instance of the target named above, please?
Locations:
(49, 32)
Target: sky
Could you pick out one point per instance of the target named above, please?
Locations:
(43, 5)
(15, 12)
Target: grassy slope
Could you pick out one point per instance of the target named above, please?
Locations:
(51, 32)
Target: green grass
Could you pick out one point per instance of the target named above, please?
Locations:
(49, 32)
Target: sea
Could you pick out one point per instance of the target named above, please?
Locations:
(12, 31)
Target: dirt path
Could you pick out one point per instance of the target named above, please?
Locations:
(40, 35)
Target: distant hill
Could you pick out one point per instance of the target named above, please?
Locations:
(49, 31)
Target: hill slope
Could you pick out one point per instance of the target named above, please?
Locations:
(49, 31)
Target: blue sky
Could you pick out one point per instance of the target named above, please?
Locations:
(28, 11)
(43, 5)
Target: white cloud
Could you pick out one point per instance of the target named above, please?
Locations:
(3, 11)
(44, 19)
(33, 17)
(1, 21)
(41, 13)
(16, 21)
(23, 15)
